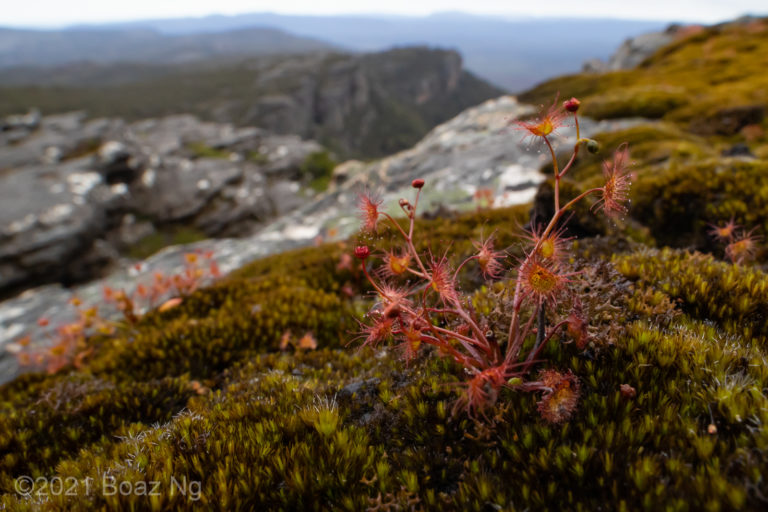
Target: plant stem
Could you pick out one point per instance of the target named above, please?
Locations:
(575, 147)
(557, 174)
(534, 353)
(370, 280)
(552, 223)
(513, 351)
(541, 325)
(407, 239)
(455, 274)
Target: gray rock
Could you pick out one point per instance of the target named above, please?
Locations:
(738, 150)
(28, 121)
(637, 49)
(477, 150)
(634, 50)
(594, 66)
(129, 232)
(68, 186)
(46, 218)
(285, 154)
(183, 187)
(114, 161)
(69, 122)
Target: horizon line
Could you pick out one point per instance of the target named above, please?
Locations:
(509, 17)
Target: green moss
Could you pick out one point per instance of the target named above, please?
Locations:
(648, 102)
(56, 419)
(201, 150)
(153, 243)
(734, 296)
(317, 170)
(257, 157)
(218, 326)
(393, 439)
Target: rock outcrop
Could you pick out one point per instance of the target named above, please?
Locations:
(475, 160)
(75, 194)
(636, 49)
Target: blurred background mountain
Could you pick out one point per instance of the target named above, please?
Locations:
(513, 54)
(363, 86)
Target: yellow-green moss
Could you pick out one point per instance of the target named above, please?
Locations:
(689, 81)
(218, 326)
(648, 102)
(317, 169)
(202, 150)
(152, 243)
(679, 203)
(734, 296)
(248, 444)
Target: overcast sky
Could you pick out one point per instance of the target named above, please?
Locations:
(63, 12)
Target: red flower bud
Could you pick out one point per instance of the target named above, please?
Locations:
(417, 183)
(571, 105)
(362, 252)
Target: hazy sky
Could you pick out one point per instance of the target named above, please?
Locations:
(63, 12)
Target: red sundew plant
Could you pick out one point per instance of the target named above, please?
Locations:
(430, 310)
(743, 248)
(740, 245)
(484, 198)
(548, 122)
(69, 343)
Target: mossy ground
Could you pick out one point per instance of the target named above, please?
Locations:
(201, 393)
(692, 82)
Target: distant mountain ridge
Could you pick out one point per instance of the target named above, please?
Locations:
(141, 44)
(511, 53)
